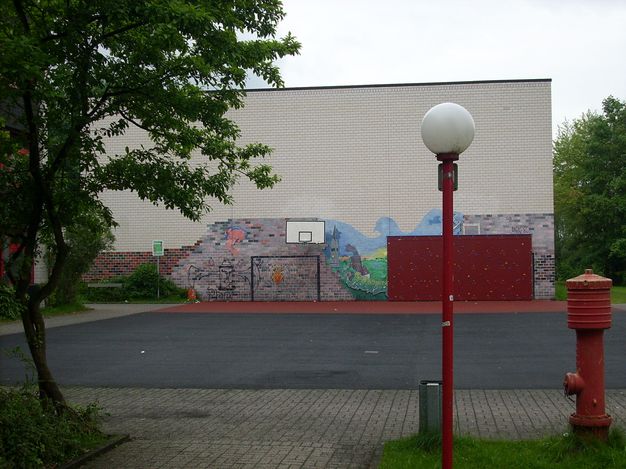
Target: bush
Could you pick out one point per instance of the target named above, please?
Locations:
(142, 283)
(9, 308)
(32, 434)
(107, 294)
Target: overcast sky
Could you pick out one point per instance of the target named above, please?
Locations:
(579, 44)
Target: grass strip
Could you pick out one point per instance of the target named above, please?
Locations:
(566, 452)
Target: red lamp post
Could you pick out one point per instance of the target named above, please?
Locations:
(447, 130)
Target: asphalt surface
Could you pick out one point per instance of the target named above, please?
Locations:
(312, 351)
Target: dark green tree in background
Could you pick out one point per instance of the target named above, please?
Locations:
(74, 73)
(590, 193)
(89, 235)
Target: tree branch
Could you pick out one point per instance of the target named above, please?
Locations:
(63, 151)
(121, 30)
(62, 248)
(21, 13)
(53, 37)
(30, 239)
(141, 126)
(100, 102)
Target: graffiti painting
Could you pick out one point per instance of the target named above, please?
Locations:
(249, 259)
(281, 278)
(361, 261)
(220, 282)
(234, 236)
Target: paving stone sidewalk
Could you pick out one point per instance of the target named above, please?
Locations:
(298, 429)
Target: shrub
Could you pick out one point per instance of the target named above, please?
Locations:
(9, 308)
(32, 434)
(142, 283)
(107, 294)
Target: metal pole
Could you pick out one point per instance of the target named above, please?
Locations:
(447, 323)
(158, 277)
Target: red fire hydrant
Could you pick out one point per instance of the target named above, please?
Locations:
(589, 312)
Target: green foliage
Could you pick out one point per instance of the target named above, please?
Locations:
(106, 294)
(590, 193)
(9, 308)
(89, 235)
(566, 452)
(92, 70)
(76, 75)
(64, 309)
(142, 283)
(32, 434)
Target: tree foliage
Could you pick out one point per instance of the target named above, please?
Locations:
(87, 237)
(74, 73)
(590, 193)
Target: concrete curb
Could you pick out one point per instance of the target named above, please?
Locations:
(366, 307)
(113, 442)
(96, 312)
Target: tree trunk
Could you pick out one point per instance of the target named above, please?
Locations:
(35, 331)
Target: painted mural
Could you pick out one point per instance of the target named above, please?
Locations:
(220, 280)
(361, 261)
(247, 259)
(250, 260)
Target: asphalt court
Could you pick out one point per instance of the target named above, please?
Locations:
(315, 351)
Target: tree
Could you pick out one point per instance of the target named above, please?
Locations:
(86, 238)
(76, 72)
(590, 193)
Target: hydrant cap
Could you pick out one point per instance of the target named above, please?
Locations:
(589, 281)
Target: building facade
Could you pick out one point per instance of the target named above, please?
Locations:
(354, 171)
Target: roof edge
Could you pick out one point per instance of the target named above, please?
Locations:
(396, 85)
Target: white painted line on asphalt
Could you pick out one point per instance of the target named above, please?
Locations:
(371, 351)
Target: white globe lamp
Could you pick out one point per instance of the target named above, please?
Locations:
(447, 128)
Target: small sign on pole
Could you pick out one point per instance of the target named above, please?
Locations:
(157, 251)
(157, 248)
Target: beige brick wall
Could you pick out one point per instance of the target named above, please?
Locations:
(355, 155)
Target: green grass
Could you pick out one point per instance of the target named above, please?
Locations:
(618, 293)
(175, 299)
(79, 307)
(566, 452)
(73, 308)
(51, 311)
(560, 291)
(163, 299)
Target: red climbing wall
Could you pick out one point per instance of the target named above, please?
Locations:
(486, 267)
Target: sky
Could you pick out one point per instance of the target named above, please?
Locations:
(579, 44)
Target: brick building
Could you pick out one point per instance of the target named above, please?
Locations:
(354, 171)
